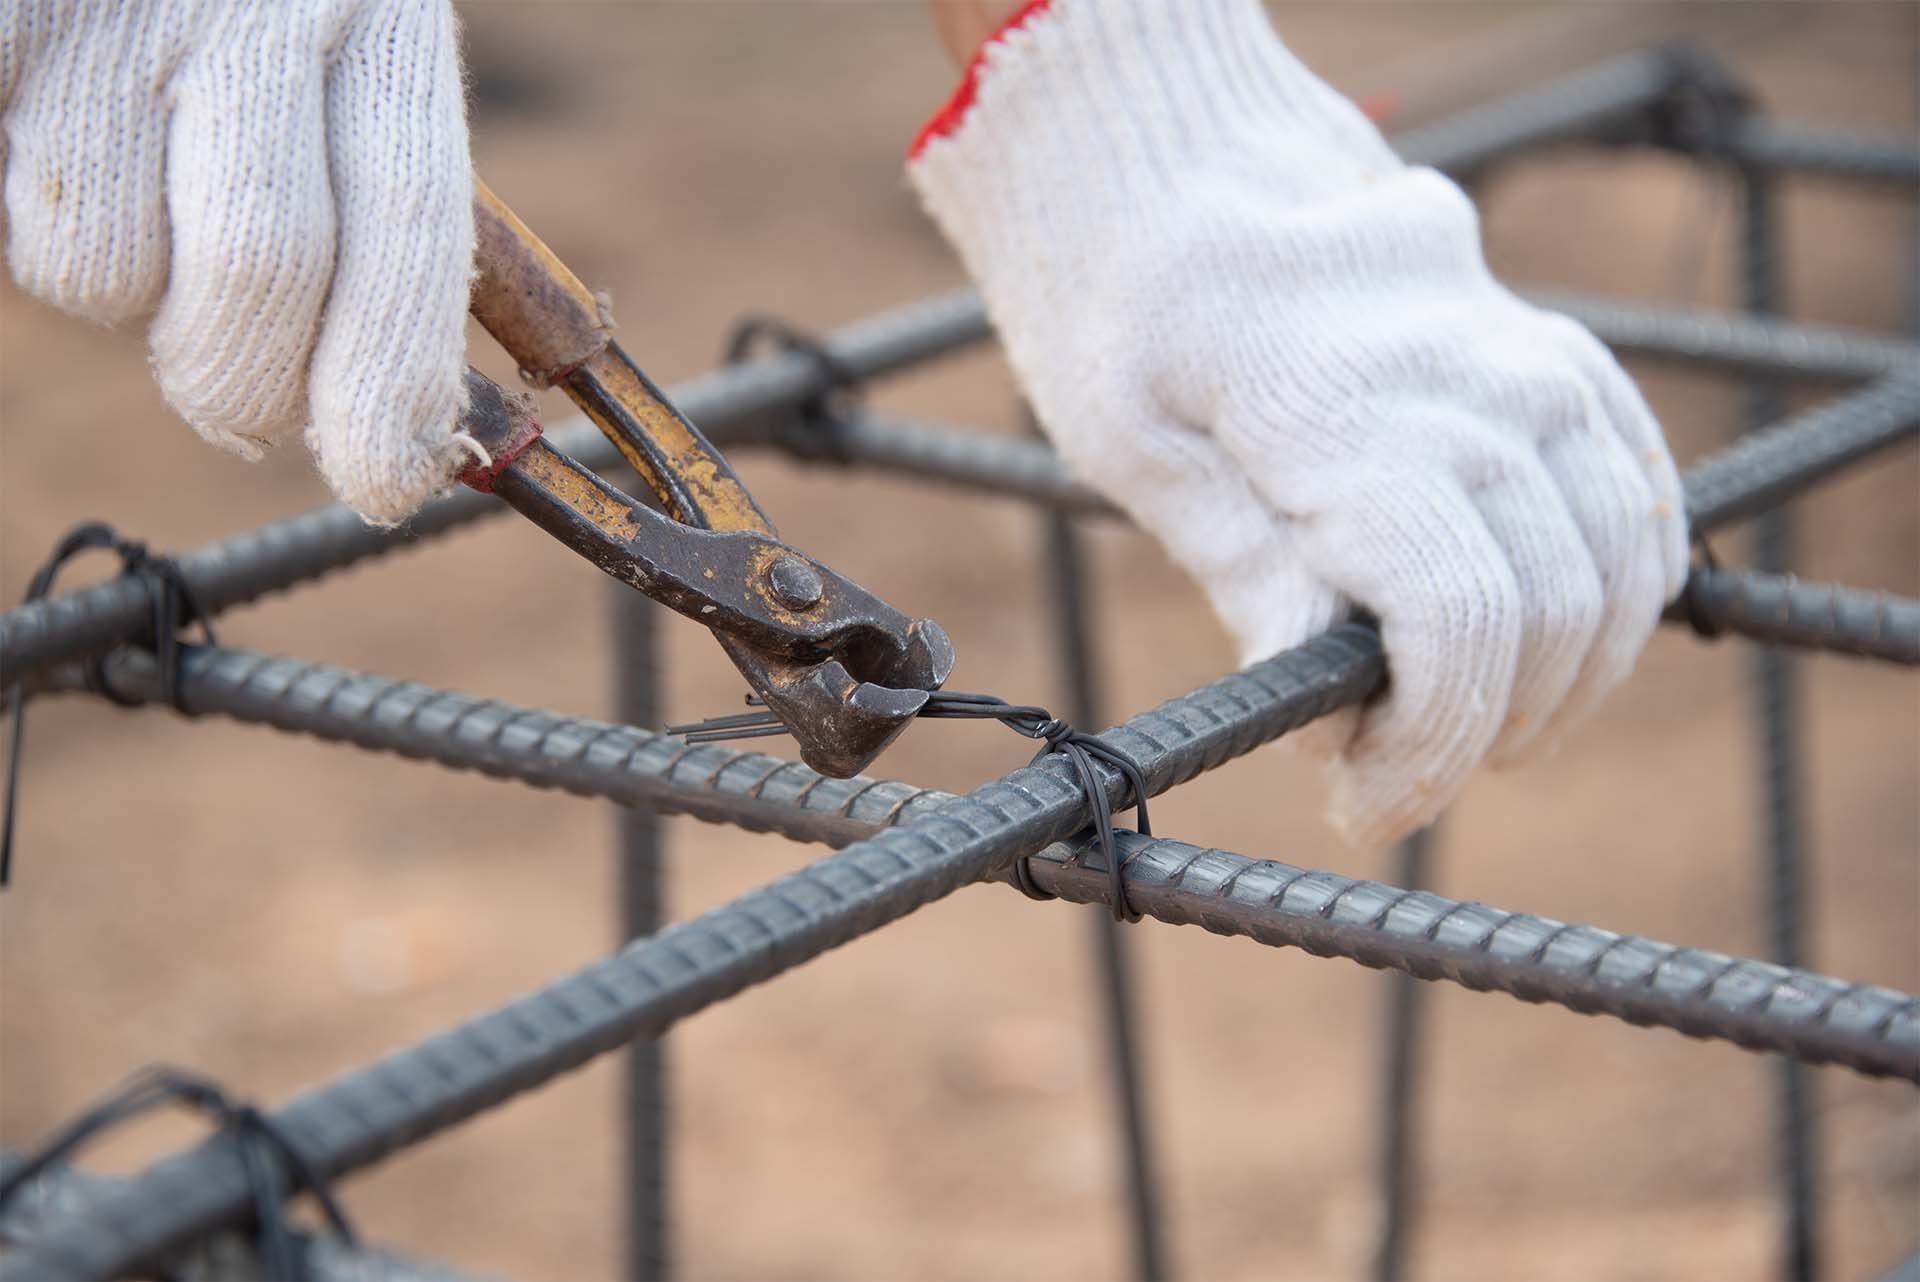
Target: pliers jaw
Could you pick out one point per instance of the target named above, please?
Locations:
(843, 671)
(840, 721)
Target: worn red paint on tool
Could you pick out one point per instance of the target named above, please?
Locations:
(480, 476)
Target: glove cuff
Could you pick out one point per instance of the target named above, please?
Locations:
(1080, 116)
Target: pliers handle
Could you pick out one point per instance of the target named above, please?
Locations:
(844, 671)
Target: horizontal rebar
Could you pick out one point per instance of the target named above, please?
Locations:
(1851, 152)
(626, 764)
(1612, 97)
(252, 564)
(63, 1191)
(768, 794)
(1761, 470)
(733, 403)
(1765, 467)
(1735, 342)
(941, 845)
(743, 404)
(1754, 1004)
(366, 1114)
(1783, 610)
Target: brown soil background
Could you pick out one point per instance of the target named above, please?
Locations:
(930, 1103)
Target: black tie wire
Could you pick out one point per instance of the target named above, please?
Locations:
(173, 610)
(258, 1139)
(1692, 606)
(1055, 735)
(813, 429)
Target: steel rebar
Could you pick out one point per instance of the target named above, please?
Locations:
(1777, 706)
(1813, 616)
(1605, 101)
(711, 781)
(641, 874)
(246, 566)
(734, 403)
(366, 1114)
(1850, 152)
(1736, 343)
(414, 1092)
(65, 1191)
(1755, 1004)
(1069, 589)
(1770, 465)
(1397, 1174)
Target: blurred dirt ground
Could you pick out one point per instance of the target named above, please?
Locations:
(929, 1103)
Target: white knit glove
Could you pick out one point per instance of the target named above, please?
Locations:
(286, 186)
(1278, 348)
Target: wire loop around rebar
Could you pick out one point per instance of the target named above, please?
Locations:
(814, 427)
(944, 843)
(259, 1143)
(173, 608)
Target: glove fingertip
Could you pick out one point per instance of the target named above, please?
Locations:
(383, 461)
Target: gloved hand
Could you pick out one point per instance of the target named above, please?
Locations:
(1279, 349)
(288, 184)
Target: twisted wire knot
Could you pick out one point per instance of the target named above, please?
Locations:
(172, 607)
(1058, 735)
(257, 1138)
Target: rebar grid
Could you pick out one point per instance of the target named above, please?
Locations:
(545, 749)
(366, 1114)
(596, 759)
(413, 1093)
(286, 553)
(745, 404)
(417, 1091)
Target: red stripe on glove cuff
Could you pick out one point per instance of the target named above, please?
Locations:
(948, 118)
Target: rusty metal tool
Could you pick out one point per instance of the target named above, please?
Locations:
(844, 671)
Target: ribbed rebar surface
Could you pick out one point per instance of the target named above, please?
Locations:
(366, 1114)
(277, 556)
(641, 874)
(1703, 994)
(708, 781)
(1731, 341)
(634, 767)
(63, 1191)
(944, 843)
(1781, 609)
(1770, 465)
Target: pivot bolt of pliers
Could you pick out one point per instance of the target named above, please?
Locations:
(795, 584)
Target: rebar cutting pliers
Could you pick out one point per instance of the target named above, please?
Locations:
(842, 670)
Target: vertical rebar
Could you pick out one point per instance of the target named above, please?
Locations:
(1776, 699)
(1399, 1157)
(1067, 592)
(636, 663)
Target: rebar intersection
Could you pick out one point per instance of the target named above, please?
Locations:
(905, 847)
